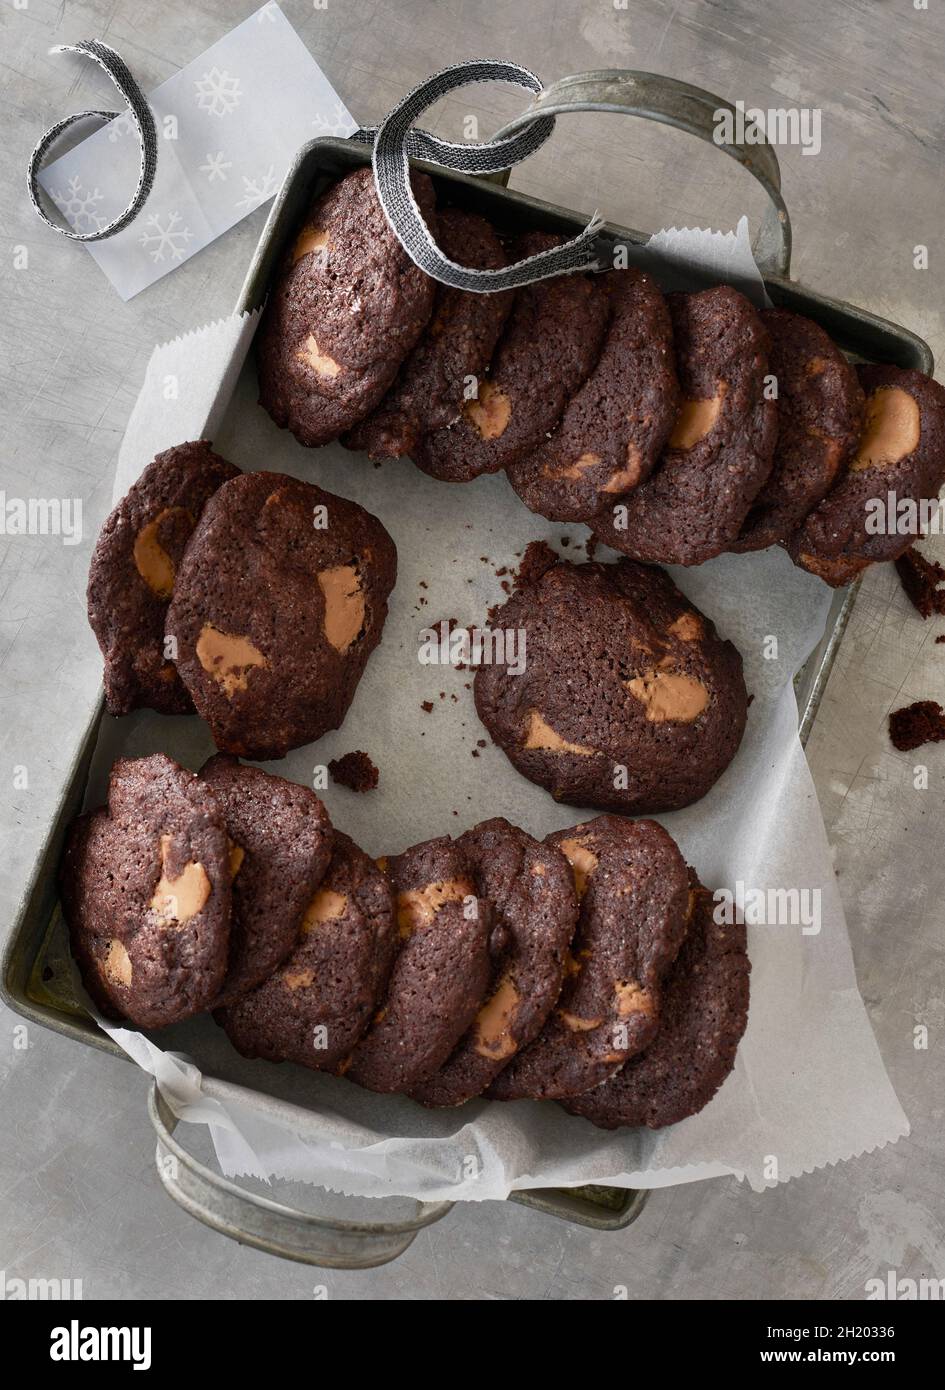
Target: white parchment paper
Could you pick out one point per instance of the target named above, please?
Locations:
(673, 253)
(809, 1087)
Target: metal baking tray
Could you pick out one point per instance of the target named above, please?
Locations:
(35, 978)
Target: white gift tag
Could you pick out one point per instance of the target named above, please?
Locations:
(228, 124)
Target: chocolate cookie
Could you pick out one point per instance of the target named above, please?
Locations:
(146, 893)
(529, 889)
(455, 346)
(280, 844)
(614, 428)
(550, 344)
(440, 973)
(704, 1014)
(629, 699)
(633, 886)
(280, 600)
(820, 414)
(347, 306)
(131, 577)
(899, 462)
(719, 453)
(316, 1005)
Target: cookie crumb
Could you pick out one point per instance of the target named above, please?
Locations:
(922, 722)
(355, 771)
(538, 557)
(920, 579)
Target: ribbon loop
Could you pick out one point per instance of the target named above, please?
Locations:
(395, 141)
(140, 113)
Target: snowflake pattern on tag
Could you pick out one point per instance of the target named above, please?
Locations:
(256, 191)
(168, 238)
(338, 123)
(218, 92)
(77, 206)
(121, 125)
(216, 166)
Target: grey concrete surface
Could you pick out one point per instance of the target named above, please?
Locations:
(78, 1193)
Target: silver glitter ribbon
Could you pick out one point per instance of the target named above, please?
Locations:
(395, 142)
(139, 112)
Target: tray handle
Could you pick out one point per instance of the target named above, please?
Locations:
(271, 1226)
(679, 104)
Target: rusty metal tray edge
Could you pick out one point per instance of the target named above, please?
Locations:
(857, 330)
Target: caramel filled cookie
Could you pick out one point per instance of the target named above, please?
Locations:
(720, 450)
(899, 462)
(633, 887)
(529, 890)
(146, 893)
(614, 428)
(132, 574)
(550, 344)
(628, 700)
(347, 306)
(280, 601)
(454, 348)
(704, 1015)
(318, 1002)
(820, 413)
(440, 973)
(280, 844)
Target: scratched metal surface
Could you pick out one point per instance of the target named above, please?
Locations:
(78, 1195)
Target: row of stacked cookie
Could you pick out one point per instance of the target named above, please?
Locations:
(255, 598)
(677, 428)
(588, 968)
